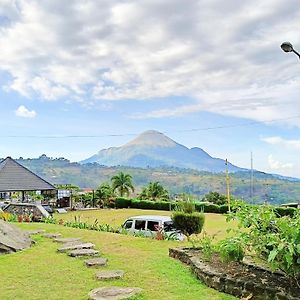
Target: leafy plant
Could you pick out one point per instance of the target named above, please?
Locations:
(205, 244)
(231, 249)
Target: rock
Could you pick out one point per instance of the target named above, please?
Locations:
(67, 240)
(52, 235)
(72, 246)
(83, 252)
(107, 275)
(33, 232)
(96, 262)
(12, 238)
(113, 293)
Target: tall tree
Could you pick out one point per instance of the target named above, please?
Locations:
(154, 191)
(122, 183)
(103, 194)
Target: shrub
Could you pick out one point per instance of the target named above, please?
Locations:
(231, 249)
(223, 209)
(162, 205)
(285, 211)
(123, 203)
(188, 223)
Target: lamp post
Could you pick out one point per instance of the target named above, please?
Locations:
(288, 47)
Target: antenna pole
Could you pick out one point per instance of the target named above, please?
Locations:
(227, 185)
(251, 180)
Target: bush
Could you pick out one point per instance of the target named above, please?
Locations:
(207, 207)
(285, 211)
(231, 249)
(123, 203)
(223, 209)
(162, 205)
(188, 223)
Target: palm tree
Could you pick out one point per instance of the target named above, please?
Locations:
(104, 194)
(154, 191)
(122, 183)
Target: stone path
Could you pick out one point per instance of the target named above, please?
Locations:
(110, 274)
(37, 231)
(52, 235)
(67, 240)
(113, 293)
(74, 246)
(83, 252)
(96, 262)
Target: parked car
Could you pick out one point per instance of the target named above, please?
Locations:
(150, 225)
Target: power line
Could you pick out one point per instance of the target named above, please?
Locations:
(134, 134)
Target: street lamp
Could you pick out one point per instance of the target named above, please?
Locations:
(288, 47)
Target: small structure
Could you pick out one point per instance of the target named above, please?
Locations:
(16, 178)
(294, 205)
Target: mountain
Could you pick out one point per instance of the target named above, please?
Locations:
(154, 149)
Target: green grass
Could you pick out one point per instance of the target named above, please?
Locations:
(42, 273)
(214, 223)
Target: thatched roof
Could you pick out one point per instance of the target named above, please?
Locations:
(15, 177)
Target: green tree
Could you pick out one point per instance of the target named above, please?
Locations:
(104, 194)
(122, 183)
(154, 191)
(215, 197)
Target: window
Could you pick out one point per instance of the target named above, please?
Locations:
(140, 224)
(168, 226)
(128, 224)
(152, 225)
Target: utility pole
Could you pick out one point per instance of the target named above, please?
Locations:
(227, 185)
(251, 180)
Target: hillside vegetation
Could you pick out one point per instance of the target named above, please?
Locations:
(267, 187)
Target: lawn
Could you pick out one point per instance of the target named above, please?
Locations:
(214, 223)
(42, 273)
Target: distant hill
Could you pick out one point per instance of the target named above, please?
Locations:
(267, 187)
(154, 149)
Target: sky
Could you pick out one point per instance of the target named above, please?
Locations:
(79, 76)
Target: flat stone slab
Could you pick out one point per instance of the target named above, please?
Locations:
(109, 274)
(52, 235)
(67, 240)
(83, 252)
(12, 238)
(68, 247)
(96, 262)
(37, 231)
(113, 293)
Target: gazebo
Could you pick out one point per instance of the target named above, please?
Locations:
(16, 178)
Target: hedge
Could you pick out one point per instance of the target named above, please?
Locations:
(123, 203)
(188, 223)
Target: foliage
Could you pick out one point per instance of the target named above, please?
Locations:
(87, 199)
(4, 216)
(188, 223)
(207, 207)
(205, 243)
(275, 240)
(104, 195)
(186, 205)
(154, 191)
(231, 249)
(122, 183)
(122, 202)
(215, 197)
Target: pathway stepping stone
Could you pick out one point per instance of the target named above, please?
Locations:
(33, 232)
(113, 293)
(68, 247)
(96, 262)
(67, 240)
(83, 252)
(52, 235)
(109, 274)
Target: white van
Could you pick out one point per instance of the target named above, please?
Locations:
(149, 225)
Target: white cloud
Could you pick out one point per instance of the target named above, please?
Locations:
(278, 141)
(24, 112)
(279, 166)
(223, 55)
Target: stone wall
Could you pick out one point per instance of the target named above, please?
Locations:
(234, 286)
(34, 210)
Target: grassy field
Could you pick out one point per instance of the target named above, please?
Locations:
(214, 223)
(42, 273)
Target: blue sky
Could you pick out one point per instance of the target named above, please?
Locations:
(113, 69)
